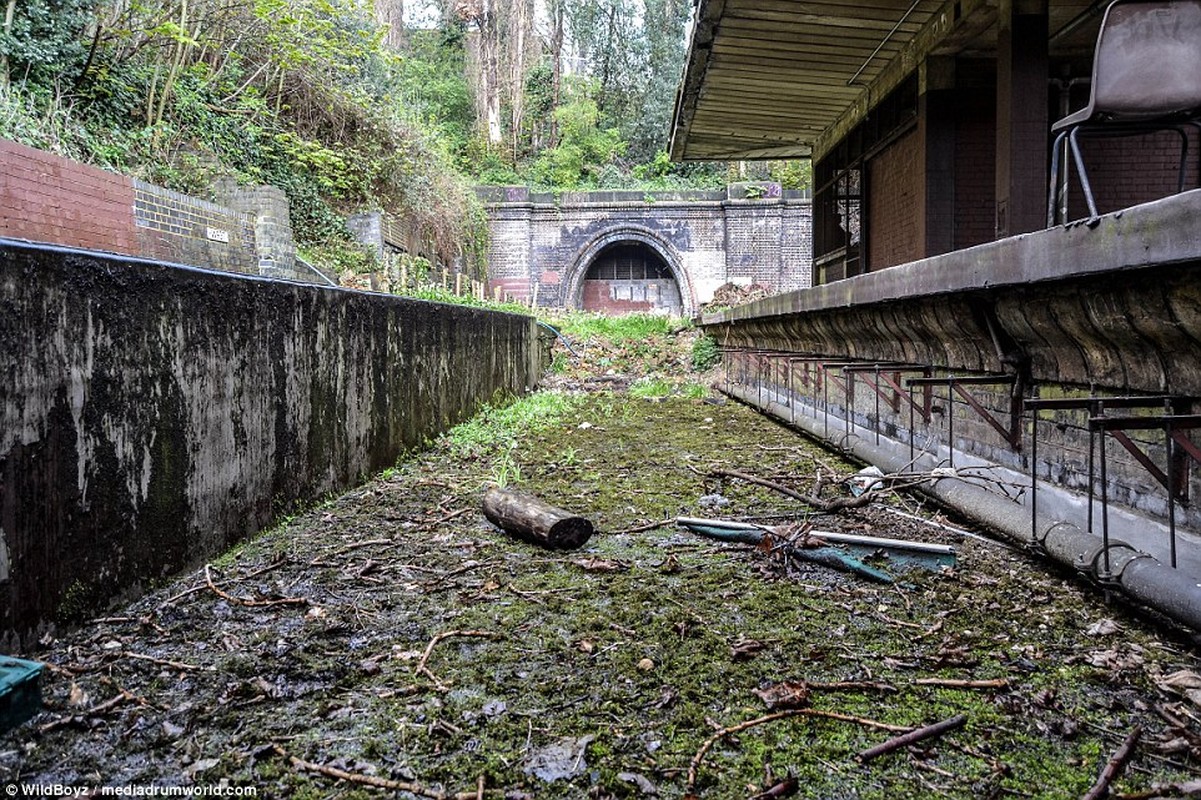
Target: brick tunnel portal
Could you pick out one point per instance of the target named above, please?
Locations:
(629, 276)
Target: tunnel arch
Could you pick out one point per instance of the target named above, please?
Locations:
(629, 235)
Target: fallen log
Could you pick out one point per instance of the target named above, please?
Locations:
(532, 520)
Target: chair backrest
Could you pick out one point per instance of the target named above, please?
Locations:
(1148, 60)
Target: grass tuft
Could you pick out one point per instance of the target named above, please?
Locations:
(497, 425)
(582, 325)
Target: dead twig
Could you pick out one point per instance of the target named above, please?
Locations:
(123, 696)
(650, 526)
(412, 787)
(167, 663)
(422, 669)
(811, 500)
(276, 564)
(250, 602)
(695, 764)
(764, 482)
(446, 518)
(454, 573)
(956, 683)
(897, 742)
(1115, 765)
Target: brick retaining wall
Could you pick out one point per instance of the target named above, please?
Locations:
(47, 198)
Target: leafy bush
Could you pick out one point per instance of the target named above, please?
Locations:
(705, 353)
(300, 94)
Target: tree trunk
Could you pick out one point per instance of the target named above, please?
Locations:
(392, 14)
(532, 520)
(556, 49)
(490, 56)
(9, 13)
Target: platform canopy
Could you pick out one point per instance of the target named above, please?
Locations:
(786, 79)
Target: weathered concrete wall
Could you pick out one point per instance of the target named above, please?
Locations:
(152, 415)
(706, 239)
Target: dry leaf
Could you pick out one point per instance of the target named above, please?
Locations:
(78, 698)
(786, 694)
(1183, 682)
(745, 649)
(1113, 660)
(646, 665)
(1103, 627)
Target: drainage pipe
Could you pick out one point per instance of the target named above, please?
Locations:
(1143, 577)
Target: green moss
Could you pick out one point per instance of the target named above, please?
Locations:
(632, 640)
(78, 601)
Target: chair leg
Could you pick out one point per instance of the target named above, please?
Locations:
(1183, 157)
(1084, 184)
(1057, 195)
(1053, 195)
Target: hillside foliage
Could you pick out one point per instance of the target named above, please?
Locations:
(346, 111)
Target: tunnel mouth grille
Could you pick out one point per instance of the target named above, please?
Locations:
(628, 262)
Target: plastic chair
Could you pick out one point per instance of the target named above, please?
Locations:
(1146, 78)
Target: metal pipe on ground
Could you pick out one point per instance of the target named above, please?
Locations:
(1141, 576)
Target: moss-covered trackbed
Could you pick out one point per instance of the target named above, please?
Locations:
(419, 645)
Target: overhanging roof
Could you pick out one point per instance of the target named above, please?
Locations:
(787, 78)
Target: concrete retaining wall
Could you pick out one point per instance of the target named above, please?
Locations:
(153, 415)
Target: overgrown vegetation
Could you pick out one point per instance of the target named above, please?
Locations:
(626, 327)
(496, 426)
(299, 94)
(346, 114)
(705, 353)
(437, 294)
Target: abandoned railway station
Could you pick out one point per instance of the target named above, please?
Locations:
(1006, 246)
(246, 536)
